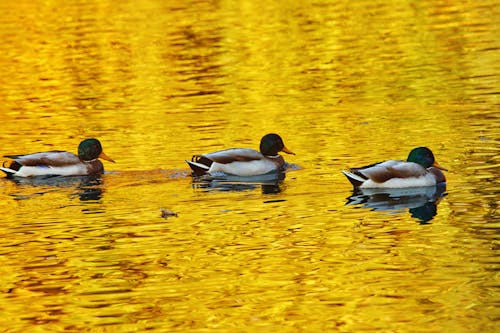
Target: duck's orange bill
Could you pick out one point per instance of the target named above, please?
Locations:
(288, 151)
(436, 165)
(105, 157)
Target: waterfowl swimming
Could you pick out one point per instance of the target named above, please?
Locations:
(59, 163)
(243, 161)
(420, 169)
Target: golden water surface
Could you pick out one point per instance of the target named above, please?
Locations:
(345, 83)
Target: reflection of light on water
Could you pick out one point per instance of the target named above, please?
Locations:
(420, 201)
(165, 79)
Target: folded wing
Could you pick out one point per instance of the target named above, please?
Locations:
(385, 171)
(50, 159)
(234, 155)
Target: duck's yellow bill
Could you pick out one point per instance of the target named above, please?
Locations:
(436, 165)
(105, 157)
(288, 151)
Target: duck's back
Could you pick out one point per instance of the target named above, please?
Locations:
(382, 172)
(51, 158)
(234, 155)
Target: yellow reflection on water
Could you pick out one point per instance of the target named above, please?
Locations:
(344, 83)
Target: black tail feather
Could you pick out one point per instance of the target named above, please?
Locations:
(355, 182)
(15, 166)
(199, 165)
(202, 160)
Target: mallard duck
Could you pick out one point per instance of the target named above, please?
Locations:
(243, 161)
(59, 163)
(420, 169)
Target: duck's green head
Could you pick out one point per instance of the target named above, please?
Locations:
(424, 157)
(90, 149)
(271, 144)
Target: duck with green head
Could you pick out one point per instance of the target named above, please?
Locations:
(420, 169)
(59, 163)
(244, 162)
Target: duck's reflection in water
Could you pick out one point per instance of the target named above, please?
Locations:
(270, 183)
(420, 201)
(90, 190)
(87, 187)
